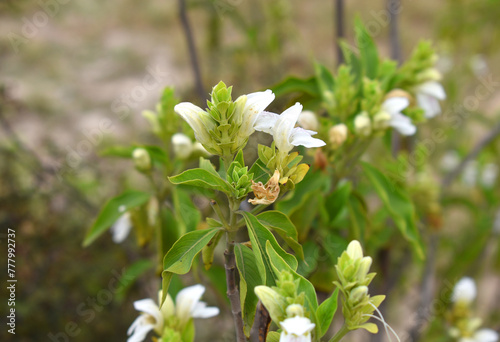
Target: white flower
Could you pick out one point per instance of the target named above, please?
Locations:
(482, 335)
(362, 124)
(465, 291)
(308, 120)
(489, 175)
(479, 65)
(428, 96)
(450, 161)
(187, 305)
(398, 121)
(338, 134)
(296, 329)
(121, 228)
(282, 128)
(199, 120)
(151, 318)
(470, 173)
(182, 145)
(254, 106)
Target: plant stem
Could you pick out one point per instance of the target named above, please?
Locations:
(233, 292)
(340, 334)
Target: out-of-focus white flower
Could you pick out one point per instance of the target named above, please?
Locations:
(428, 96)
(308, 120)
(464, 291)
(479, 65)
(296, 329)
(187, 305)
(337, 135)
(141, 158)
(121, 228)
(450, 161)
(398, 121)
(489, 175)
(470, 173)
(482, 335)
(182, 145)
(362, 124)
(282, 128)
(151, 318)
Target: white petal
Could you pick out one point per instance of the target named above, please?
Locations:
(402, 124)
(429, 104)
(284, 126)
(196, 118)
(299, 326)
(256, 103)
(432, 88)
(486, 335)
(139, 332)
(121, 228)
(303, 137)
(201, 310)
(464, 291)
(186, 301)
(148, 306)
(266, 122)
(395, 105)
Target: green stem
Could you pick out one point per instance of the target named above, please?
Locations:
(340, 334)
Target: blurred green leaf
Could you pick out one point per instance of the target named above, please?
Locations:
(130, 275)
(367, 50)
(294, 84)
(110, 213)
(157, 154)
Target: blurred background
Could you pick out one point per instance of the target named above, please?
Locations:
(75, 76)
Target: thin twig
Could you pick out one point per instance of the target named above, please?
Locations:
(394, 7)
(489, 138)
(339, 29)
(192, 50)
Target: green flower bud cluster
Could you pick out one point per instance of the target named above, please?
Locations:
(164, 122)
(282, 300)
(345, 99)
(240, 179)
(228, 118)
(291, 172)
(419, 67)
(372, 96)
(357, 306)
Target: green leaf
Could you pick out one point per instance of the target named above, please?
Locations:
(249, 279)
(273, 336)
(130, 276)
(180, 257)
(207, 165)
(259, 235)
(207, 253)
(336, 202)
(324, 78)
(398, 205)
(186, 213)
(367, 50)
(279, 264)
(358, 214)
(110, 213)
(294, 84)
(281, 224)
(326, 311)
(202, 178)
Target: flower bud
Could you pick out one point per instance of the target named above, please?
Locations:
(358, 294)
(465, 291)
(362, 124)
(308, 120)
(364, 267)
(273, 301)
(142, 160)
(354, 250)
(338, 134)
(381, 120)
(431, 74)
(295, 310)
(182, 145)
